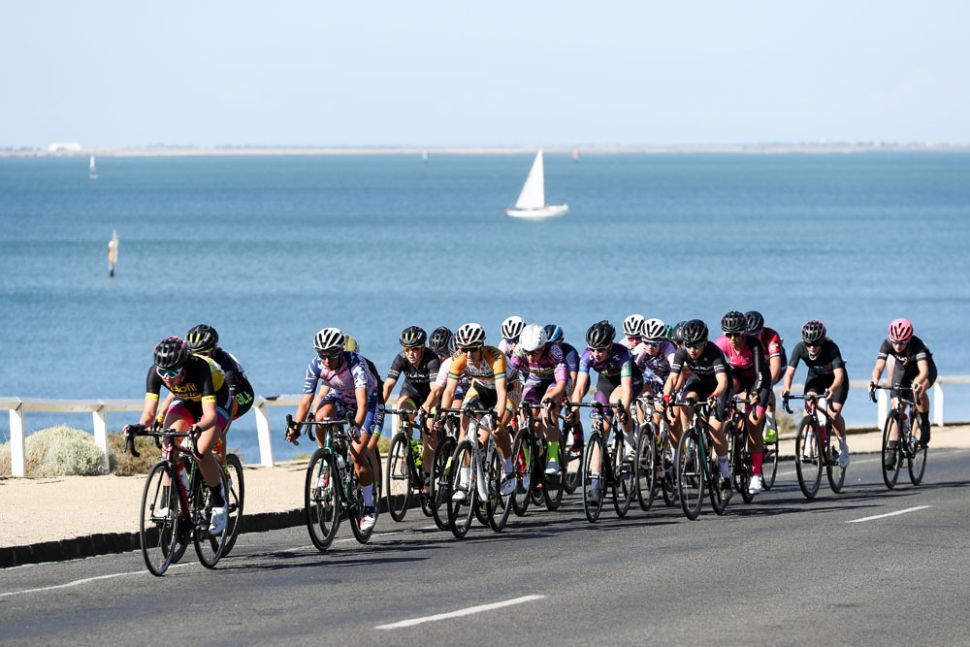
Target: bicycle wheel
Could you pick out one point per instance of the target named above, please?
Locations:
(918, 451)
(808, 462)
(537, 480)
(593, 489)
(646, 467)
(460, 512)
(741, 463)
(440, 484)
(321, 503)
(184, 539)
(354, 498)
(690, 474)
(552, 485)
(497, 507)
(834, 471)
(398, 477)
(522, 456)
(718, 500)
(624, 476)
(160, 518)
(235, 499)
(769, 464)
(572, 478)
(208, 546)
(892, 455)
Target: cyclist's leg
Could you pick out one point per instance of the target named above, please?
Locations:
(629, 438)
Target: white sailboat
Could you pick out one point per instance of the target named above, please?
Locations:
(92, 169)
(532, 199)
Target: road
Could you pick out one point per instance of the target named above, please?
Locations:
(780, 571)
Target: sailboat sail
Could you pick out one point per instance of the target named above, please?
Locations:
(533, 194)
(92, 168)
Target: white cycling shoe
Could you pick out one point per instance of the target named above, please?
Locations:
(217, 523)
(552, 467)
(756, 485)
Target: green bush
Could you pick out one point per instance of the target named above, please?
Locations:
(56, 451)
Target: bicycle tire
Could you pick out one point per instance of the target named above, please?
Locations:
(497, 507)
(718, 500)
(552, 486)
(591, 507)
(646, 467)
(209, 547)
(624, 476)
(537, 481)
(917, 462)
(834, 471)
(236, 500)
(690, 474)
(398, 470)
(184, 539)
(808, 471)
(769, 464)
(891, 474)
(522, 466)
(439, 488)
(354, 497)
(321, 501)
(571, 479)
(158, 534)
(460, 512)
(741, 464)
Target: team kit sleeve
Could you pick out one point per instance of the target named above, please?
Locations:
(679, 358)
(153, 384)
(396, 367)
(837, 361)
(312, 377)
(884, 350)
(798, 354)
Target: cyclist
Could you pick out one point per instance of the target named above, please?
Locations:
(657, 352)
(419, 365)
(201, 406)
(777, 361)
(543, 368)
(709, 380)
(619, 381)
(914, 369)
(632, 331)
(677, 334)
(749, 374)
(511, 329)
(571, 358)
(826, 377)
(349, 389)
(486, 366)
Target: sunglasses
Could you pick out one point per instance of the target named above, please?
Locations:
(470, 349)
(696, 346)
(330, 354)
(905, 342)
(598, 351)
(168, 373)
(732, 335)
(412, 349)
(814, 344)
(653, 343)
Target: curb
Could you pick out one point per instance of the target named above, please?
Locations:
(122, 542)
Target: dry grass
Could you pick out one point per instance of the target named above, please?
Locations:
(56, 451)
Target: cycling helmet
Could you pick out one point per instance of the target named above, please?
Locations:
(734, 322)
(439, 340)
(170, 353)
(553, 333)
(695, 332)
(328, 339)
(900, 330)
(677, 335)
(413, 336)
(755, 322)
(632, 325)
(350, 344)
(600, 335)
(533, 338)
(452, 345)
(813, 331)
(470, 334)
(653, 329)
(202, 339)
(512, 328)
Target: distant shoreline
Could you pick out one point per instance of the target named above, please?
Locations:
(252, 151)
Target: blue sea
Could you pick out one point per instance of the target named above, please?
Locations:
(270, 249)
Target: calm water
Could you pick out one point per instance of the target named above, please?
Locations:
(271, 249)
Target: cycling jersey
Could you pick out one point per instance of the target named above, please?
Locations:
(658, 364)
(710, 362)
(549, 365)
(354, 373)
(617, 363)
(242, 390)
(774, 344)
(202, 381)
(908, 359)
(417, 379)
(828, 359)
(748, 365)
(491, 368)
(570, 357)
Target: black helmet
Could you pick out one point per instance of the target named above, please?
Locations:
(170, 353)
(413, 336)
(755, 322)
(695, 332)
(600, 335)
(202, 339)
(677, 335)
(439, 340)
(813, 331)
(734, 322)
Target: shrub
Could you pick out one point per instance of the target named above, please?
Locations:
(56, 451)
(124, 464)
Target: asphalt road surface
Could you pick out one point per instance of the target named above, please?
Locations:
(781, 571)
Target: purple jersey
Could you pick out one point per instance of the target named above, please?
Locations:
(352, 374)
(617, 363)
(548, 366)
(658, 364)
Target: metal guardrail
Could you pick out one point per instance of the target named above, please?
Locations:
(99, 410)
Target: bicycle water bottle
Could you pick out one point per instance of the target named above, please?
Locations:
(183, 477)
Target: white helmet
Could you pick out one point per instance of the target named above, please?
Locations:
(470, 334)
(533, 338)
(653, 329)
(632, 325)
(512, 327)
(328, 339)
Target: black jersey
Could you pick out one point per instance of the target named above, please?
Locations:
(908, 357)
(203, 381)
(233, 371)
(417, 379)
(710, 362)
(828, 359)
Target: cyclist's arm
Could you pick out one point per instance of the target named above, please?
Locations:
(838, 376)
(774, 368)
(433, 395)
(360, 394)
(209, 414)
(582, 383)
(877, 370)
(303, 407)
(501, 399)
(722, 384)
(389, 387)
(626, 391)
(449, 395)
(148, 413)
(924, 372)
(324, 390)
(789, 378)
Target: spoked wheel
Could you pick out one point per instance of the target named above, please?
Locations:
(522, 457)
(159, 522)
(538, 468)
(769, 464)
(236, 499)
(209, 546)
(690, 474)
(498, 507)
(917, 460)
(355, 498)
(460, 512)
(439, 490)
(719, 499)
(808, 461)
(321, 501)
(624, 476)
(593, 487)
(668, 481)
(552, 490)
(399, 476)
(835, 472)
(891, 456)
(741, 463)
(185, 528)
(646, 467)
(572, 466)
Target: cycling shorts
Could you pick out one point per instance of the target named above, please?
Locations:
(244, 402)
(191, 412)
(905, 378)
(373, 419)
(822, 382)
(704, 389)
(532, 392)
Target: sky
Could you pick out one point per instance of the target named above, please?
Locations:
(446, 73)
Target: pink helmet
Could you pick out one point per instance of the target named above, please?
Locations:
(900, 330)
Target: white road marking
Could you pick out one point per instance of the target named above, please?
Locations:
(461, 612)
(890, 514)
(85, 580)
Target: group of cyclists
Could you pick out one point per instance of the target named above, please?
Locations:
(532, 366)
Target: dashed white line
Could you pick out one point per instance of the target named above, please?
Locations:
(890, 514)
(461, 612)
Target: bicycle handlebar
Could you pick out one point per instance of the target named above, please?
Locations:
(132, 431)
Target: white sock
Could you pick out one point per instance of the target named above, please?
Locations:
(368, 492)
(725, 468)
(770, 419)
(464, 475)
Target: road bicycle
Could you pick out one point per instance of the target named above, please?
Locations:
(529, 459)
(614, 470)
(816, 448)
(736, 433)
(404, 467)
(906, 445)
(446, 423)
(698, 467)
(650, 465)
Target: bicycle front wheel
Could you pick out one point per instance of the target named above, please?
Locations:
(498, 507)
(624, 475)
(572, 465)
(321, 505)
(646, 468)
(917, 460)
(552, 485)
(462, 508)
(891, 456)
(398, 477)
(522, 457)
(593, 477)
(690, 474)
(833, 469)
(160, 519)
(741, 462)
(354, 497)
(209, 546)
(808, 458)
(440, 485)
(769, 464)
(236, 497)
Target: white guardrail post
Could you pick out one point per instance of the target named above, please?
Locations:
(263, 433)
(17, 441)
(882, 407)
(100, 421)
(938, 405)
